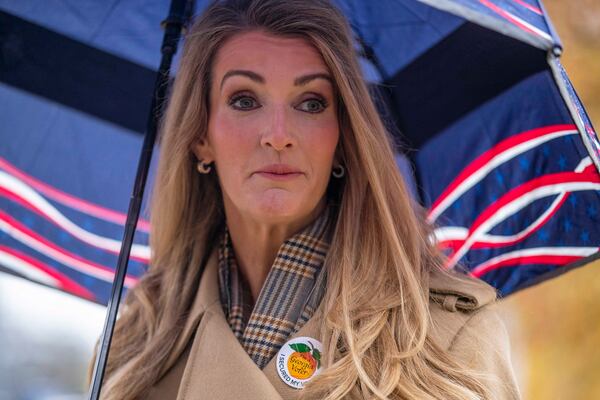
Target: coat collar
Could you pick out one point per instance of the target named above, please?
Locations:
(470, 294)
(216, 346)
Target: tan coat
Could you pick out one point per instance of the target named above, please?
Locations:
(209, 362)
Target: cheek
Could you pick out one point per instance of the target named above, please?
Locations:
(232, 141)
(226, 132)
(320, 142)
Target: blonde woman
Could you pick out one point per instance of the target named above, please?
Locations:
(288, 259)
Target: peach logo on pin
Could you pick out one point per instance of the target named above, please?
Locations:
(299, 360)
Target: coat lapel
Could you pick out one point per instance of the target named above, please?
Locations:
(218, 367)
(206, 296)
(310, 329)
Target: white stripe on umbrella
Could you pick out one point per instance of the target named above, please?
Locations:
(71, 201)
(499, 214)
(543, 255)
(20, 267)
(524, 25)
(457, 234)
(24, 192)
(462, 184)
(34, 269)
(49, 249)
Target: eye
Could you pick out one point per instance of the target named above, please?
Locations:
(242, 102)
(314, 105)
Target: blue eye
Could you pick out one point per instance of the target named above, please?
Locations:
(244, 102)
(314, 106)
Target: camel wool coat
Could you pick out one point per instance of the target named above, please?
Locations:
(209, 363)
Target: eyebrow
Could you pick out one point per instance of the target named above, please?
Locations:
(299, 81)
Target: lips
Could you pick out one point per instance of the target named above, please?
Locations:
(279, 171)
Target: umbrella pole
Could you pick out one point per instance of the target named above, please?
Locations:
(179, 13)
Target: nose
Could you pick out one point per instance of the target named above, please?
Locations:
(278, 135)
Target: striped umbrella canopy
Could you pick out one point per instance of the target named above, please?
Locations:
(492, 137)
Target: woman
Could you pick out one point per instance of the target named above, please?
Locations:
(288, 259)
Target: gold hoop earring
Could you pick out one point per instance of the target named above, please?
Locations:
(203, 167)
(338, 171)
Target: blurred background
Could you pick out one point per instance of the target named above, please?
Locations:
(48, 336)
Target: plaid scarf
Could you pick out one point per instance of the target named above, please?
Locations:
(291, 293)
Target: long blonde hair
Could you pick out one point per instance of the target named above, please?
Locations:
(377, 325)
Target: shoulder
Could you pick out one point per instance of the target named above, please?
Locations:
(467, 324)
(457, 300)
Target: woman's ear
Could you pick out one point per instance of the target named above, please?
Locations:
(203, 151)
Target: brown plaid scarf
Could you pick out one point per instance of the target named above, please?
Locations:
(291, 293)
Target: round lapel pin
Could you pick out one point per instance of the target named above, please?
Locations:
(299, 360)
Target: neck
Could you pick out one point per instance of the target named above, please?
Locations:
(256, 243)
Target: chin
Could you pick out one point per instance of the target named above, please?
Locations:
(278, 206)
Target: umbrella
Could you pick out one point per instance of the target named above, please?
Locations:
(473, 90)
(505, 158)
(496, 143)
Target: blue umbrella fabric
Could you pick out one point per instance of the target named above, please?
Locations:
(493, 139)
(506, 160)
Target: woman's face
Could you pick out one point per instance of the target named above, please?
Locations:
(273, 127)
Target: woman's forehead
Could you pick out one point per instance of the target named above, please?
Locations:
(267, 53)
